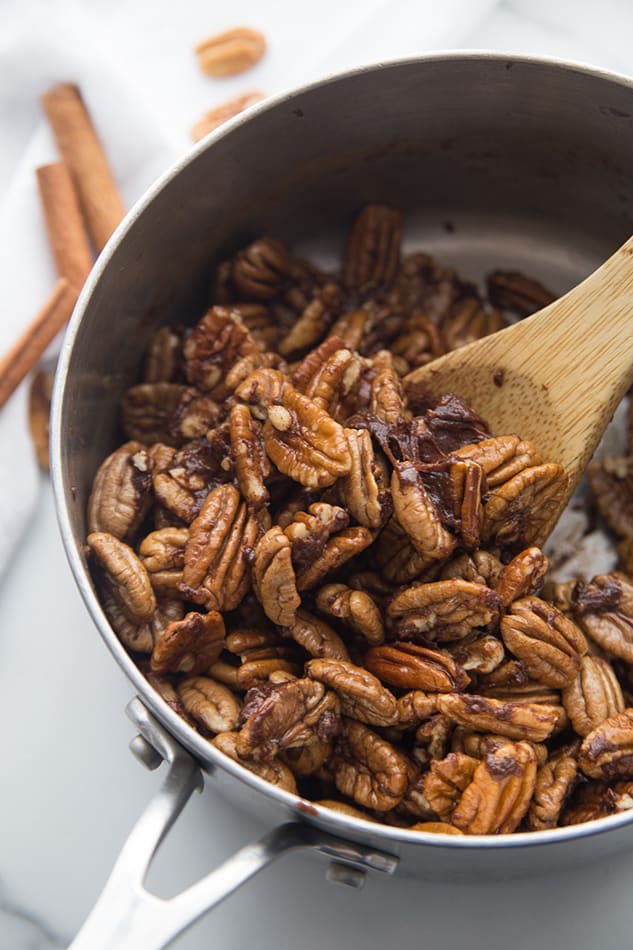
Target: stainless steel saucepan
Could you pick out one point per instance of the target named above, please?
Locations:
(496, 161)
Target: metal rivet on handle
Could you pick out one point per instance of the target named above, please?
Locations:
(339, 873)
(145, 753)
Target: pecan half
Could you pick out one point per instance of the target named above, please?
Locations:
(593, 696)
(482, 655)
(512, 290)
(611, 482)
(445, 610)
(368, 769)
(261, 269)
(555, 781)
(121, 492)
(216, 117)
(213, 347)
(209, 703)
(140, 635)
(301, 439)
(416, 513)
(312, 324)
(522, 576)
(443, 784)
(545, 640)
(354, 608)
(274, 579)
(604, 610)
(533, 721)
(362, 696)
(480, 567)
(372, 255)
(286, 716)
(518, 512)
(432, 739)
(362, 490)
(338, 550)
(219, 550)
(252, 467)
(231, 52)
(607, 751)
(416, 706)
(275, 772)
(395, 556)
(163, 555)
(499, 793)
(124, 574)
(189, 645)
(148, 411)
(470, 320)
(408, 666)
(316, 637)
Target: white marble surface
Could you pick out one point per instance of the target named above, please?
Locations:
(69, 789)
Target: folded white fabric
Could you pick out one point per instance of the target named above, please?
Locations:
(134, 64)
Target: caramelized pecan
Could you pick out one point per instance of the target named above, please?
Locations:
(368, 769)
(445, 610)
(163, 555)
(274, 772)
(593, 696)
(252, 467)
(545, 640)
(607, 751)
(274, 578)
(554, 783)
(209, 703)
(533, 721)
(362, 696)
(408, 666)
(124, 575)
(354, 608)
(518, 512)
(189, 645)
(443, 784)
(499, 793)
(522, 576)
(372, 255)
(316, 637)
(121, 492)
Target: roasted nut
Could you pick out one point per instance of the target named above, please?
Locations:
(479, 745)
(274, 772)
(554, 783)
(338, 550)
(470, 320)
(313, 323)
(483, 655)
(501, 457)
(362, 696)
(605, 612)
(231, 52)
(213, 347)
(593, 696)
(176, 499)
(302, 440)
(443, 784)
(499, 793)
(121, 492)
(386, 395)
(140, 636)
(512, 290)
(124, 574)
(335, 386)
(591, 800)
(532, 721)
(435, 828)
(189, 645)
(395, 556)
(349, 328)
(362, 490)
(261, 269)
(368, 769)
(149, 409)
(611, 482)
(522, 576)
(408, 666)
(344, 809)
(220, 114)
(415, 707)
(163, 360)
(212, 705)
(219, 550)
(519, 511)
(286, 716)
(255, 672)
(354, 608)
(432, 738)
(445, 610)
(607, 751)
(252, 467)
(545, 640)
(163, 555)
(274, 578)
(316, 637)
(417, 514)
(372, 255)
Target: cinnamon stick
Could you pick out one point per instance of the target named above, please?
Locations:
(25, 354)
(66, 231)
(83, 153)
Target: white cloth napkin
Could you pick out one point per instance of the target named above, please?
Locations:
(134, 62)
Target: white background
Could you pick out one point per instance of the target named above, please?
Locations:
(69, 789)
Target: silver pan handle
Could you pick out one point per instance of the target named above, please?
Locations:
(128, 917)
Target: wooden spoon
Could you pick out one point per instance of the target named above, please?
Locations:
(556, 377)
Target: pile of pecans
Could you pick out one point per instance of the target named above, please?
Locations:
(336, 578)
